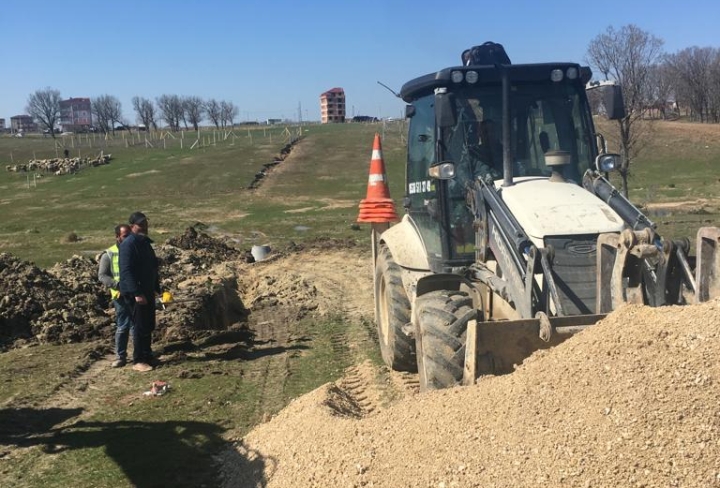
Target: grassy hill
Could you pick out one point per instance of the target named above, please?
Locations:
(324, 178)
(676, 176)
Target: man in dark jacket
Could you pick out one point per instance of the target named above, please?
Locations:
(139, 282)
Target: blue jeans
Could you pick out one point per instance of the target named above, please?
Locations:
(123, 320)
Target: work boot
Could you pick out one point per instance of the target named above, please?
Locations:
(118, 363)
(142, 367)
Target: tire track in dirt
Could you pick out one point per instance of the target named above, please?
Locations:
(78, 390)
(283, 290)
(269, 365)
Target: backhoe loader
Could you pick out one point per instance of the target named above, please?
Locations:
(513, 237)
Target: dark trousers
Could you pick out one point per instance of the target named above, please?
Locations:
(143, 319)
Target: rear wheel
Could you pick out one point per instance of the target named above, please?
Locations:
(392, 312)
(442, 318)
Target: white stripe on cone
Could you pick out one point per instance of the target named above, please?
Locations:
(376, 178)
(376, 154)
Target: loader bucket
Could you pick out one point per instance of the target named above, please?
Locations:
(496, 347)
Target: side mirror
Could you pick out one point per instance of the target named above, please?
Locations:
(444, 109)
(444, 170)
(409, 111)
(613, 101)
(607, 162)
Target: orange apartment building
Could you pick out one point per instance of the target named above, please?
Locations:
(75, 114)
(332, 106)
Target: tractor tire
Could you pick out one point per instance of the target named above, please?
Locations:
(392, 312)
(442, 320)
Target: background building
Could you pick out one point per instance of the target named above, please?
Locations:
(332, 106)
(2, 125)
(22, 123)
(75, 114)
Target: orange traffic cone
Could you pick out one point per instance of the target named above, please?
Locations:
(377, 207)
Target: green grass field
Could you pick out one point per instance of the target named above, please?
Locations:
(676, 175)
(180, 187)
(318, 196)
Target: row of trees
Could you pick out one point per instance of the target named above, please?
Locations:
(655, 81)
(44, 106)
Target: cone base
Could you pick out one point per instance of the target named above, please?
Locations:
(377, 220)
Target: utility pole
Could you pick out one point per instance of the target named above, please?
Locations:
(300, 113)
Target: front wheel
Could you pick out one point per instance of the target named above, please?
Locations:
(392, 313)
(442, 320)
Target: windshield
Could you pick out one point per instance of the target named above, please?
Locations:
(543, 117)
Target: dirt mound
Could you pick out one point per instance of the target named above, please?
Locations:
(212, 250)
(214, 284)
(313, 279)
(66, 303)
(631, 401)
(59, 305)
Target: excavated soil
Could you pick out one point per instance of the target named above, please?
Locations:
(207, 276)
(632, 401)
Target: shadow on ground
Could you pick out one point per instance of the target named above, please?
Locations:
(150, 454)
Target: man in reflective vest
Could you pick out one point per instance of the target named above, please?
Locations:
(109, 275)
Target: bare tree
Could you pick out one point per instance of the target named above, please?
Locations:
(228, 112)
(171, 110)
(659, 89)
(44, 107)
(108, 112)
(145, 110)
(214, 112)
(714, 89)
(194, 110)
(692, 68)
(627, 55)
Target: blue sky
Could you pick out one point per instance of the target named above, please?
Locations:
(271, 57)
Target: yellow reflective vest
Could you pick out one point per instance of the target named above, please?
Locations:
(114, 254)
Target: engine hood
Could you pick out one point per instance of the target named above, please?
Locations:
(546, 208)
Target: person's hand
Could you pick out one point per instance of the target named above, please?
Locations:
(141, 300)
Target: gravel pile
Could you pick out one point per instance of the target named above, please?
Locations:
(630, 402)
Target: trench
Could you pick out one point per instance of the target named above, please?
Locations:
(268, 167)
